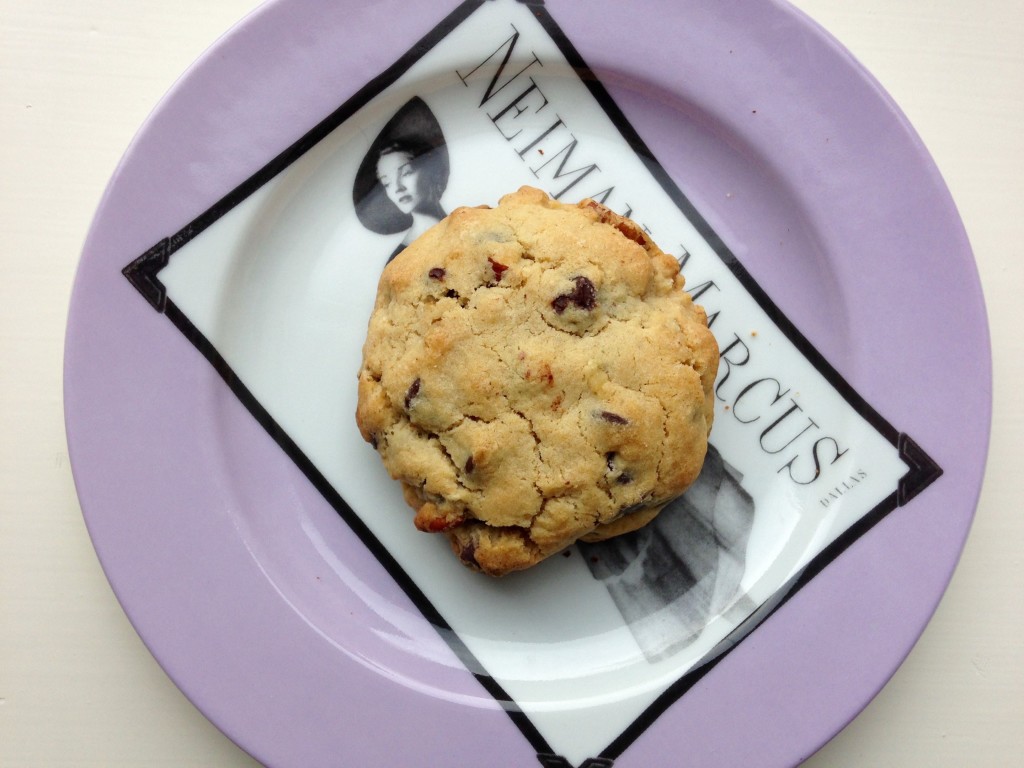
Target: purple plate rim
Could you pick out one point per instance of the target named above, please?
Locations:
(96, 417)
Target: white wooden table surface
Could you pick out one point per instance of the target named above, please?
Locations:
(77, 686)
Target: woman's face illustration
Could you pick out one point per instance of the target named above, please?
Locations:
(400, 180)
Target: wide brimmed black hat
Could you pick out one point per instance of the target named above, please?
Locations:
(412, 129)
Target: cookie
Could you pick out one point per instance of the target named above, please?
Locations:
(534, 374)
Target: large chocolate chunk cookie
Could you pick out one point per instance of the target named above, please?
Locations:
(534, 374)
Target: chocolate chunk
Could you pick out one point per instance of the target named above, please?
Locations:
(451, 293)
(584, 296)
(633, 509)
(467, 554)
(624, 478)
(470, 464)
(373, 440)
(613, 418)
(437, 273)
(414, 389)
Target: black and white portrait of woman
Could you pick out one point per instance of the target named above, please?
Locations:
(401, 179)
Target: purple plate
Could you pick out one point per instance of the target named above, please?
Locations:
(258, 546)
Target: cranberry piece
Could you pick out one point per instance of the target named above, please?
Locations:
(584, 296)
(497, 268)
